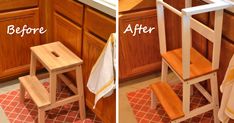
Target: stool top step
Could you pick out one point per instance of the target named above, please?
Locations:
(55, 56)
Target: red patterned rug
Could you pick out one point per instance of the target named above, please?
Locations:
(27, 112)
(140, 103)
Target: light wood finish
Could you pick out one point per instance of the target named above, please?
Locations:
(168, 99)
(68, 33)
(130, 5)
(36, 90)
(80, 90)
(41, 116)
(22, 93)
(99, 24)
(71, 9)
(199, 65)
(6, 5)
(133, 61)
(14, 49)
(55, 56)
(92, 48)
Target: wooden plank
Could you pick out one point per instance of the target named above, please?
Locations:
(203, 30)
(161, 28)
(166, 96)
(206, 8)
(55, 56)
(186, 44)
(199, 65)
(36, 90)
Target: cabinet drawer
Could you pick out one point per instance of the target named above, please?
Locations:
(71, 9)
(99, 24)
(16, 4)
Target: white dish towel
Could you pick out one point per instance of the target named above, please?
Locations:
(101, 79)
(226, 110)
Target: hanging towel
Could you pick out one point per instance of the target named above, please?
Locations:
(226, 110)
(101, 79)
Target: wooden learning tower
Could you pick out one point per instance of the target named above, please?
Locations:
(187, 63)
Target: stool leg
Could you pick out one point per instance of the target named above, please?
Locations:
(153, 100)
(215, 98)
(22, 93)
(33, 64)
(79, 82)
(164, 71)
(186, 97)
(53, 86)
(41, 116)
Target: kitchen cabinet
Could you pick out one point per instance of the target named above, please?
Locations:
(14, 49)
(97, 29)
(93, 48)
(67, 33)
(138, 54)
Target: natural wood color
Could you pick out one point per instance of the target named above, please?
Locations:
(199, 65)
(80, 90)
(33, 65)
(135, 5)
(99, 24)
(15, 59)
(68, 83)
(168, 99)
(53, 87)
(33, 86)
(133, 61)
(22, 93)
(68, 33)
(71, 9)
(41, 116)
(55, 56)
(6, 5)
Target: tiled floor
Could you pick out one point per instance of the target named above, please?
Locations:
(140, 103)
(16, 112)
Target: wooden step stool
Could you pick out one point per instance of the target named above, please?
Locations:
(57, 59)
(187, 63)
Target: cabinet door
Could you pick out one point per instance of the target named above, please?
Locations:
(67, 33)
(92, 48)
(14, 49)
(138, 54)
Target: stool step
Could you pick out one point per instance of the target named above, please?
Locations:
(36, 90)
(199, 65)
(168, 99)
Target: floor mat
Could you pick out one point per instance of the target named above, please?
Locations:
(27, 112)
(140, 104)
